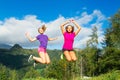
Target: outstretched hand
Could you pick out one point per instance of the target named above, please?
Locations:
(71, 20)
(27, 34)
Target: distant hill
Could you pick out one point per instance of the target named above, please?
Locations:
(5, 46)
(16, 57)
(16, 46)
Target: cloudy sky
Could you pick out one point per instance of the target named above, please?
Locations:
(19, 16)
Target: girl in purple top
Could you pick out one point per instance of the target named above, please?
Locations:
(69, 35)
(43, 39)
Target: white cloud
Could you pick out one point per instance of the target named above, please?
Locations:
(1, 22)
(13, 30)
(85, 18)
(99, 15)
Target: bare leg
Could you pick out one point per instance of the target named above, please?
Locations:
(73, 56)
(47, 58)
(41, 59)
(67, 55)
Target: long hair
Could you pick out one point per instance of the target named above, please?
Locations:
(67, 28)
(42, 27)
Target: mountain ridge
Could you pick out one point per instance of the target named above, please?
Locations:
(5, 46)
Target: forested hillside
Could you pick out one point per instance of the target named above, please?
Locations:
(15, 60)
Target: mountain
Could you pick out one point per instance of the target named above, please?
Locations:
(5, 46)
(16, 46)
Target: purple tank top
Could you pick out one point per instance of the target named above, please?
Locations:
(43, 39)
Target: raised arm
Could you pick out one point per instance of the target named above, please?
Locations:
(30, 38)
(78, 27)
(62, 26)
(51, 39)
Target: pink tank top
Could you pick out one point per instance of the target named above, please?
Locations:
(68, 40)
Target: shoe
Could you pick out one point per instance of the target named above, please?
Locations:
(30, 58)
(34, 64)
(61, 56)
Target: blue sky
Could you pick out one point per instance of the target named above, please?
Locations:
(47, 10)
(20, 16)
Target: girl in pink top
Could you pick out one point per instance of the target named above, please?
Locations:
(69, 35)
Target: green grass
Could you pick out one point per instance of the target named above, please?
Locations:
(40, 78)
(113, 75)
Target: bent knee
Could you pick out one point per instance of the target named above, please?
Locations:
(74, 59)
(48, 62)
(43, 61)
(69, 59)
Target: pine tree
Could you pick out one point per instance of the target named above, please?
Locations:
(112, 35)
(91, 53)
(93, 41)
(111, 57)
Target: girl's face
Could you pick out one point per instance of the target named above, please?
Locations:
(69, 29)
(41, 31)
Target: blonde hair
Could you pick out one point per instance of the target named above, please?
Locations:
(42, 27)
